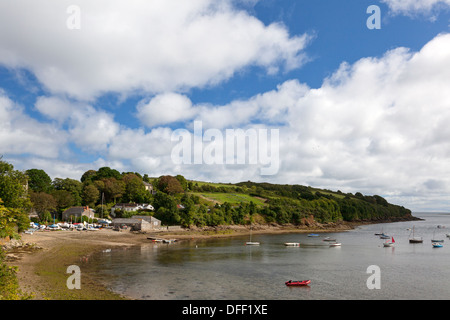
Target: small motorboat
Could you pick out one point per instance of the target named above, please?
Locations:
(292, 244)
(329, 239)
(384, 236)
(437, 244)
(252, 243)
(313, 235)
(302, 283)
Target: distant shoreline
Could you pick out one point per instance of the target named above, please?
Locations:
(44, 256)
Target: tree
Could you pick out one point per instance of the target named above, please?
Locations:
(13, 189)
(88, 176)
(71, 185)
(90, 195)
(134, 188)
(63, 198)
(169, 185)
(182, 180)
(43, 203)
(107, 172)
(38, 180)
(112, 189)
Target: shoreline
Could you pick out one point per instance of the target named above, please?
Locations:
(43, 257)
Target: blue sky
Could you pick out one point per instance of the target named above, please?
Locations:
(357, 110)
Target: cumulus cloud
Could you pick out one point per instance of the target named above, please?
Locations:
(140, 46)
(21, 134)
(164, 109)
(416, 6)
(376, 126)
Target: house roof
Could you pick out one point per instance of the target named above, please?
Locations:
(74, 210)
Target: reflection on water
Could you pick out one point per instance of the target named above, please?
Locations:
(227, 269)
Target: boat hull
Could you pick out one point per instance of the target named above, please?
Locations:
(336, 244)
(297, 283)
(250, 243)
(292, 244)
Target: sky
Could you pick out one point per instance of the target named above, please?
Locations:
(347, 95)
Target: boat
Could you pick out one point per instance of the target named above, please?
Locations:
(250, 242)
(313, 235)
(437, 245)
(301, 283)
(389, 244)
(329, 239)
(292, 244)
(436, 240)
(415, 239)
(335, 244)
(384, 236)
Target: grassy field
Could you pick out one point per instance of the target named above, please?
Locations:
(232, 198)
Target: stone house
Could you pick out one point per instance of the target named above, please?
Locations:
(77, 212)
(137, 223)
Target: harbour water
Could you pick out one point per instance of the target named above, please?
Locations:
(227, 269)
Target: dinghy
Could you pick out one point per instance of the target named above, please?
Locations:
(302, 283)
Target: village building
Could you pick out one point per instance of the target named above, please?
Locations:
(149, 188)
(74, 213)
(129, 207)
(137, 223)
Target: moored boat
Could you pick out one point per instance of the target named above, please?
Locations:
(335, 244)
(292, 244)
(389, 244)
(415, 239)
(437, 245)
(313, 235)
(301, 283)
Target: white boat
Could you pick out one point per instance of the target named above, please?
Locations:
(389, 244)
(250, 242)
(329, 239)
(292, 244)
(437, 244)
(335, 244)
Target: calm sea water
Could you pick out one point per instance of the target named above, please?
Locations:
(227, 269)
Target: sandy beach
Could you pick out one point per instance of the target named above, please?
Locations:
(45, 256)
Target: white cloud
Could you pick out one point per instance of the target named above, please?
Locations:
(379, 126)
(164, 109)
(21, 134)
(151, 46)
(416, 6)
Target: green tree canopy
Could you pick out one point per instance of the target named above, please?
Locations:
(38, 180)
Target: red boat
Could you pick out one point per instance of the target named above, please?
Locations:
(291, 283)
